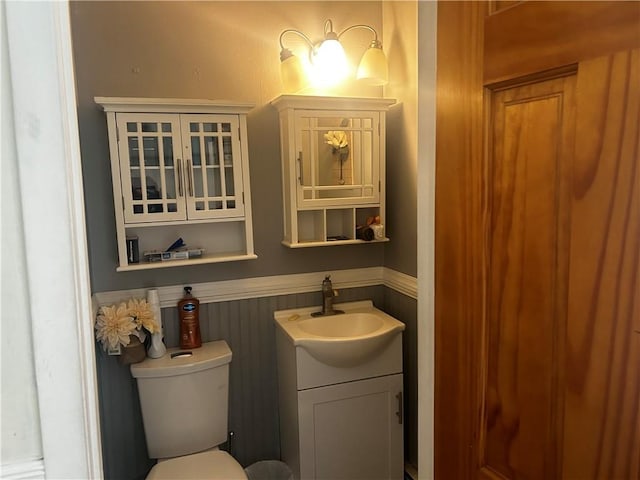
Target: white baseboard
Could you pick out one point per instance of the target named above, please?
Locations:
(31, 470)
(256, 287)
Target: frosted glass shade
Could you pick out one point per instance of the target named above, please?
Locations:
(292, 74)
(330, 63)
(373, 69)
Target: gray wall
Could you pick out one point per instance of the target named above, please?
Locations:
(223, 50)
(229, 50)
(400, 21)
(248, 327)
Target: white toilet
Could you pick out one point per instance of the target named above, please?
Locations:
(184, 398)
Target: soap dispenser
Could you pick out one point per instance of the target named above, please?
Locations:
(189, 311)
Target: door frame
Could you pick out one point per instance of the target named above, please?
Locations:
(61, 310)
(426, 208)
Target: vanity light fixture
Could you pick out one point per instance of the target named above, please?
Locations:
(329, 61)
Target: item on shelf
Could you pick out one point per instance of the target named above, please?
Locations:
(378, 231)
(179, 243)
(133, 253)
(365, 232)
(335, 238)
(373, 220)
(158, 256)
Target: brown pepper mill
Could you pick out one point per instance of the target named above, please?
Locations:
(189, 310)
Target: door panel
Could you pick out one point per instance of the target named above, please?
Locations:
(602, 390)
(529, 38)
(532, 129)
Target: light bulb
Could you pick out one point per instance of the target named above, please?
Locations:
(330, 62)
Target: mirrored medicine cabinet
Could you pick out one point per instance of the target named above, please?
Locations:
(333, 165)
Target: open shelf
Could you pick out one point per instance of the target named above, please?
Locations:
(227, 257)
(330, 243)
(330, 226)
(219, 244)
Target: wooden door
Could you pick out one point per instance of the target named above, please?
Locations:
(538, 241)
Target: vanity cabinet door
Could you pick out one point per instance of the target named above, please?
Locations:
(338, 157)
(352, 430)
(213, 166)
(150, 167)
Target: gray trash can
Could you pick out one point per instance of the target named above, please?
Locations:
(269, 470)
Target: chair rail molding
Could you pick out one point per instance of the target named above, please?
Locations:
(245, 288)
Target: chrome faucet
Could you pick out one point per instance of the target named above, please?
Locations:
(328, 294)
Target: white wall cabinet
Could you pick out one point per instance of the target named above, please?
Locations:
(179, 170)
(333, 167)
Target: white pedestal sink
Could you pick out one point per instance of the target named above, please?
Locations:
(340, 392)
(343, 340)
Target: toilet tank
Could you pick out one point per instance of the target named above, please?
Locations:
(184, 398)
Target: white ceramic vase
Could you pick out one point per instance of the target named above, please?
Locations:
(157, 348)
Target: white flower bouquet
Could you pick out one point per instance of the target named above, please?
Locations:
(125, 323)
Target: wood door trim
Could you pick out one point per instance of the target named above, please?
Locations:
(458, 234)
(534, 78)
(508, 30)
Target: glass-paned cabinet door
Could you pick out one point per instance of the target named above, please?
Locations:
(213, 166)
(151, 167)
(337, 157)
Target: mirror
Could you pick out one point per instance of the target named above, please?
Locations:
(336, 157)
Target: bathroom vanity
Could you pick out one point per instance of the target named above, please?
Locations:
(340, 393)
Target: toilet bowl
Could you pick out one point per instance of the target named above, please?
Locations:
(184, 398)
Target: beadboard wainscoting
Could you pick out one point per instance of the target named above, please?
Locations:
(244, 319)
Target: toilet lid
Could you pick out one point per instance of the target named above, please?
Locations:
(212, 465)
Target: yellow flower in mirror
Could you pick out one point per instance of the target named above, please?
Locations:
(337, 139)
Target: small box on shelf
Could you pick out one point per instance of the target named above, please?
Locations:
(157, 256)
